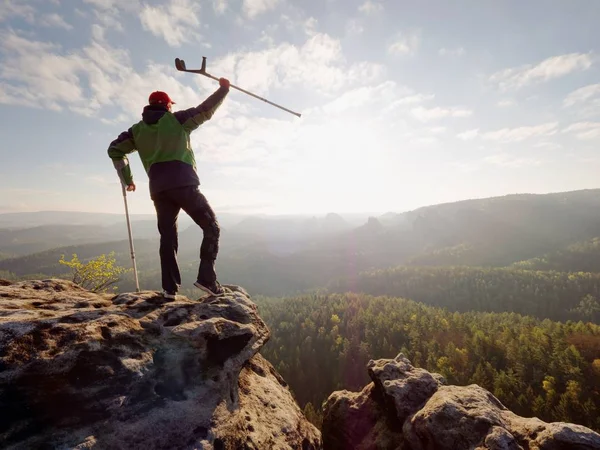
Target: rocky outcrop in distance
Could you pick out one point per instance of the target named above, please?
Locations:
(407, 408)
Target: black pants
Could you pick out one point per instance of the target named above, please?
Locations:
(192, 201)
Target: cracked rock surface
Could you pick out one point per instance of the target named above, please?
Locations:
(81, 370)
(408, 408)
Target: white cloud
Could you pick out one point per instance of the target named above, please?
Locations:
(458, 52)
(404, 101)
(370, 7)
(328, 144)
(290, 23)
(108, 19)
(310, 26)
(417, 98)
(9, 9)
(38, 74)
(318, 65)
(506, 160)
(547, 145)
(254, 8)
(242, 138)
(99, 80)
(351, 99)
(437, 130)
(176, 22)
(405, 44)
(365, 95)
(85, 81)
(354, 27)
(584, 130)
(12, 42)
(585, 101)
(506, 103)
(109, 13)
(424, 140)
(54, 20)
(113, 6)
(582, 95)
(551, 68)
(521, 133)
(100, 76)
(466, 167)
(426, 114)
(220, 6)
(330, 138)
(98, 33)
(468, 135)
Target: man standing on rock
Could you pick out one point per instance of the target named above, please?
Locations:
(162, 139)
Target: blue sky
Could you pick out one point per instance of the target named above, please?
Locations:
(403, 104)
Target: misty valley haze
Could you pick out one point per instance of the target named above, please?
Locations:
(292, 254)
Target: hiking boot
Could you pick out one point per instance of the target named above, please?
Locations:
(169, 295)
(213, 288)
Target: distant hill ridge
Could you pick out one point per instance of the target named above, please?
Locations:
(280, 255)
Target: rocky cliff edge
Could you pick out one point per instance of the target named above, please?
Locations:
(80, 370)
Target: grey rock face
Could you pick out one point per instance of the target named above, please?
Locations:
(407, 408)
(83, 370)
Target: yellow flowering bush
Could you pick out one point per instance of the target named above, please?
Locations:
(96, 275)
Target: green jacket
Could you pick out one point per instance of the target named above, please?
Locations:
(162, 139)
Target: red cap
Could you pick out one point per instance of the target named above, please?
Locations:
(160, 97)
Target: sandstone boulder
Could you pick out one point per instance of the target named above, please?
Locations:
(406, 408)
(83, 370)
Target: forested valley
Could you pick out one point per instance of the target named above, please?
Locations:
(543, 294)
(542, 368)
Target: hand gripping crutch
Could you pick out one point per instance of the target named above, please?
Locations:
(180, 65)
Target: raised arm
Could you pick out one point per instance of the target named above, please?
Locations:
(192, 118)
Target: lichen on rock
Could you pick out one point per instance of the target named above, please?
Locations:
(84, 370)
(408, 408)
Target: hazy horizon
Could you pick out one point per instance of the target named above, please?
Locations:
(365, 213)
(399, 109)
